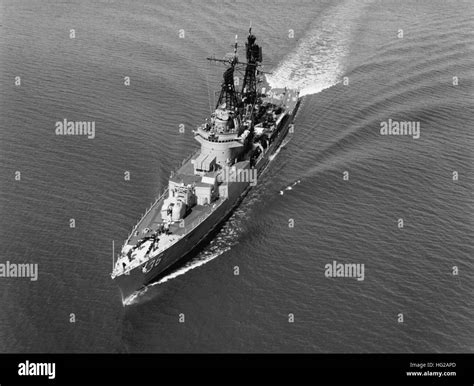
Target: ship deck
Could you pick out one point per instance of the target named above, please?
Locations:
(286, 98)
(152, 219)
(289, 98)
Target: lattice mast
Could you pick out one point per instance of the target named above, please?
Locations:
(254, 59)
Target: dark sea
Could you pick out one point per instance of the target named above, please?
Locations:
(358, 63)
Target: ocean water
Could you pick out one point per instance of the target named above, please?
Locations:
(355, 69)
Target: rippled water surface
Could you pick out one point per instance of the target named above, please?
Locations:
(355, 69)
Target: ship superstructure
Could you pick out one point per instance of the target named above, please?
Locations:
(236, 141)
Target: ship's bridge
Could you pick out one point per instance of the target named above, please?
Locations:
(222, 140)
(212, 136)
(223, 120)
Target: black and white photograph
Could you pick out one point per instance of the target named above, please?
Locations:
(237, 177)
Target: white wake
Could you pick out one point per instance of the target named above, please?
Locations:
(318, 62)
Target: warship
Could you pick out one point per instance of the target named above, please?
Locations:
(236, 142)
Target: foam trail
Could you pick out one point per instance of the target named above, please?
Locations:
(290, 187)
(191, 265)
(133, 298)
(221, 244)
(318, 62)
(136, 296)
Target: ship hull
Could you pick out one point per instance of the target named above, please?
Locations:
(156, 267)
(150, 271)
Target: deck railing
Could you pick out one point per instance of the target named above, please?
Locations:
(165, 191)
